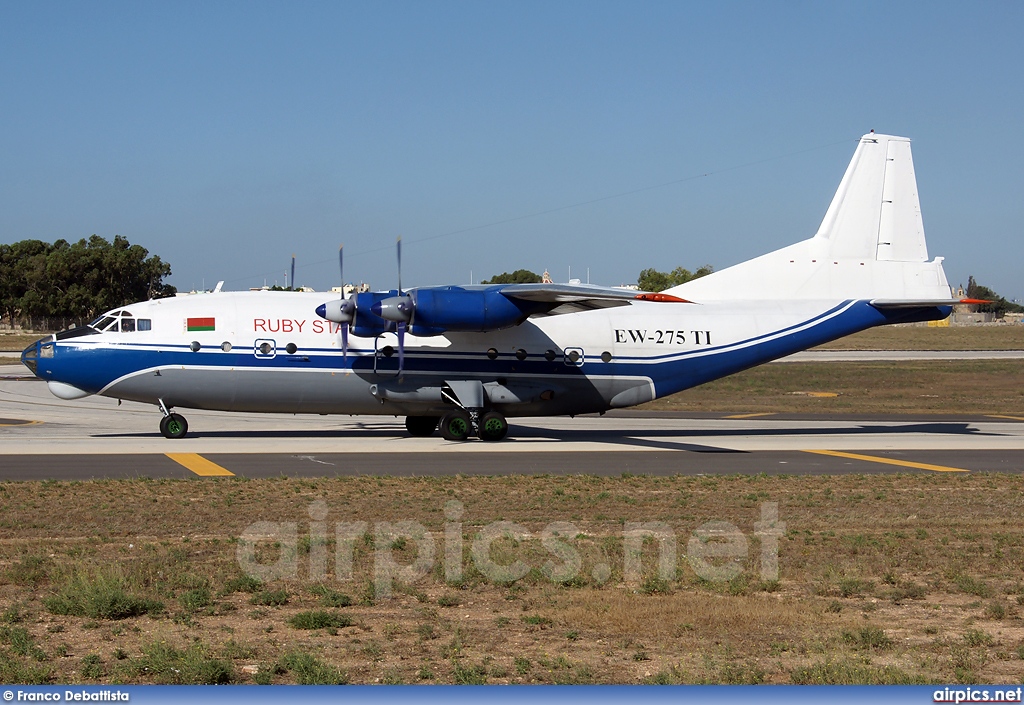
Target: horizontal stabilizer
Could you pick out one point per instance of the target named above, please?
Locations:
(903, 303)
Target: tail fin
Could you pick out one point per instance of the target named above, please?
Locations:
(870, 245)
(876, 214)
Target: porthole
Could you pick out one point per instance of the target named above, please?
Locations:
(290, 348)
(266, 348)
(387, 351)
(492, 353)
(194, 346)
(225, 346)
(549, 355)
(606, 356)
(574, 356)
(520, 354)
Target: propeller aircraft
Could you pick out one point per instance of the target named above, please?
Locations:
(464, 359)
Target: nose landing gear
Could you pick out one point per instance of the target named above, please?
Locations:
(172, 425)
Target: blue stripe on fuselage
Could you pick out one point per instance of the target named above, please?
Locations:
(92, 366)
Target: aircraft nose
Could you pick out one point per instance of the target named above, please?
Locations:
(30, 356)
(321, 310)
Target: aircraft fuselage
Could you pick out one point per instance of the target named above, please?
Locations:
(269, 352)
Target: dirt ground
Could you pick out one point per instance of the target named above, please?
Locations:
(881, 579)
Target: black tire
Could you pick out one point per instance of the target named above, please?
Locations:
(493, 426)
(456, 425)
(421, 425)
(173, 426)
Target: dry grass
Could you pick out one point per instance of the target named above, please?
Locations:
(977, 337)
(16, 342)
(919, 387)
(897, 578)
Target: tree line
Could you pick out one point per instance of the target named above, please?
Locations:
(998, 306)
(649, 279)
(42, 282)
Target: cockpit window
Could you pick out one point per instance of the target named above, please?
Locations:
(103, 323)
(122, 321)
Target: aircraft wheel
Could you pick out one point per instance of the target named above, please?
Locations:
(173, 426)
(493, 426)
(421, 425)
(456, 425)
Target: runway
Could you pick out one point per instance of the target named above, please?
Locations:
(42, 437)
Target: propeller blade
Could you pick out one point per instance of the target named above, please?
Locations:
(399, 265)
(401, 347)
(344, 326)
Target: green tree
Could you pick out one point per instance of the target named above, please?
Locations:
(999, 305)
(653, 280)
(22, 272)
(520, 276)
(77, 280)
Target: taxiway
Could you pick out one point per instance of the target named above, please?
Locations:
(42, 437)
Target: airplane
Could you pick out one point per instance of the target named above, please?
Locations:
(464, 359)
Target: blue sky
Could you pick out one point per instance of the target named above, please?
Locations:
(226, 136)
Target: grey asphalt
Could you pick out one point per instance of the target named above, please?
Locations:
(605, 464)
(45, 438)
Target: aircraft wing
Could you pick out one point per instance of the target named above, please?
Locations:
(573, 298)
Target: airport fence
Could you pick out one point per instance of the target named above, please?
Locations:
(40, 324)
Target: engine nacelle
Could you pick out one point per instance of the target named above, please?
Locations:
(472, 310)
(430, 311)
(357, 310)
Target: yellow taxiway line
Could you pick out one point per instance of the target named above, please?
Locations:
(887, 461)
(1004, 416)
(750, 416)
(199, 465)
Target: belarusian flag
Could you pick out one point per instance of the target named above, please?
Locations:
(200, 324)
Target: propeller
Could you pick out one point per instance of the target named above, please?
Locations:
(398, 309)
(401, 324)
(342, 310)
(344, 326)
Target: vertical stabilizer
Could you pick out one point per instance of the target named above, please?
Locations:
(870, 244)
(876, 213)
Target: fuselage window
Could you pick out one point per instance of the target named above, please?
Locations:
(145, 324)
(127, 325)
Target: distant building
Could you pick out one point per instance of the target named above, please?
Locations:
(349, 289)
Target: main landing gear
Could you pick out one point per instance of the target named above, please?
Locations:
(459, 425)
(172, 425)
